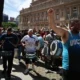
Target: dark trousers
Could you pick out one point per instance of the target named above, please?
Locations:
(70, 75)
(8, 67)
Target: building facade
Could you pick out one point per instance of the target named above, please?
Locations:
(17, 20)
(5, 18)
(36, 15)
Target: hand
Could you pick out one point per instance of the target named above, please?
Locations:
(50, 11)
(24, 45)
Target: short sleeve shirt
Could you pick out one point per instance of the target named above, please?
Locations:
(30, 43)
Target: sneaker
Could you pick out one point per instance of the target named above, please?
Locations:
(3, 73)
(8, 78)
(26, 71)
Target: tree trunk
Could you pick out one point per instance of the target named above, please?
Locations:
(1, 11)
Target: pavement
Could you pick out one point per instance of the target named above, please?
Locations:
(40, 73)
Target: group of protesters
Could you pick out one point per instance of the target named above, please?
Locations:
(27, 44)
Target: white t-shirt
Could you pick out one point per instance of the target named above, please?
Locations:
(30, 43)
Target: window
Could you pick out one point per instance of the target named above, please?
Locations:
(74, 12)
(57, 14)
(68, 13)
(62, 13)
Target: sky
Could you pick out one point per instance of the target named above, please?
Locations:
(12, 7)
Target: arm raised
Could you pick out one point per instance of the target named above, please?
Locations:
(60, 31)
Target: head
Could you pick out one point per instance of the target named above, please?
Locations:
(30, 32)
(9, 30)
(51, 32)
(75, 26)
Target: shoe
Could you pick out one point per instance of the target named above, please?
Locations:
(8, 78)
(3, 73)
(26, 71)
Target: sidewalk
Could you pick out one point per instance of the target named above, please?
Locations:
(39, 74)
(17, 72)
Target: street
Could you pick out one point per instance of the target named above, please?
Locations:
(39, 73)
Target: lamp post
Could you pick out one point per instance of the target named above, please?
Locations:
(1, 11)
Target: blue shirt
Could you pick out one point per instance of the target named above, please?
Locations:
(71, 53)
(40, 39)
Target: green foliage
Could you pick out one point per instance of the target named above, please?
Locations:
(9, 24)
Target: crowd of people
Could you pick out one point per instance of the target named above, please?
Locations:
(31, 42)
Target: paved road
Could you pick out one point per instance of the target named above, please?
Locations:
(39, 74)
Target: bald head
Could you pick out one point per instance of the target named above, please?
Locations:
(30, 32)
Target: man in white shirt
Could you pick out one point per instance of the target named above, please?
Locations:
(29, 42)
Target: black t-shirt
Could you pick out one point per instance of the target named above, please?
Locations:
(9, 41)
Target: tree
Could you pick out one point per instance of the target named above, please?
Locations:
(9, 24)
(1, 11)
